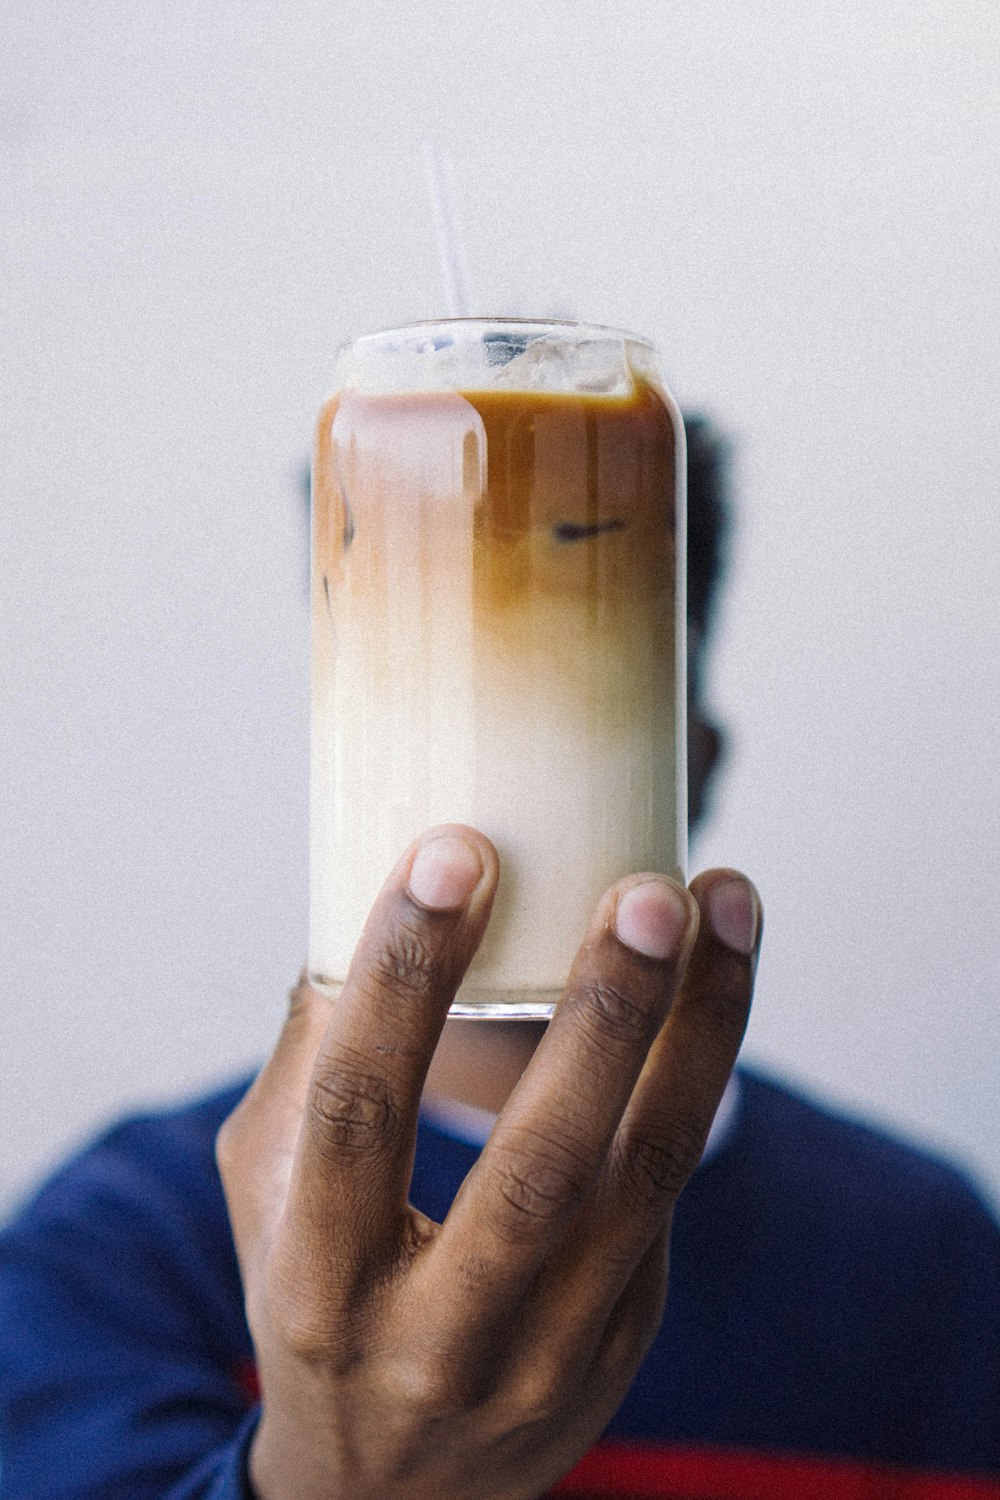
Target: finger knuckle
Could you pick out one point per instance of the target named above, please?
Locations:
(425, 1384)
(300, 1299)
(405, 961)
(617, 1020)
(351, 1110)
(545, 1392)
(537, 1186)
(654, 1166)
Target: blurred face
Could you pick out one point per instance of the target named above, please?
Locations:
(705, 740)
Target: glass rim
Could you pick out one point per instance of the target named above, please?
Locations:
(493, 323)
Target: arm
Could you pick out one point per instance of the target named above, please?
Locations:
(122, 1335)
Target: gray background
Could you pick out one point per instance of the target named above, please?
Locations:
(798, 203)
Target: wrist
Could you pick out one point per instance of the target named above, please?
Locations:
(279, 1467)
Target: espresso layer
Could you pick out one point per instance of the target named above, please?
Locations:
(541, 478)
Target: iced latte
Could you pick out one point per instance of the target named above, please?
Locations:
(498, 610)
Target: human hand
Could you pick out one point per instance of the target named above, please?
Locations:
(400, 1359)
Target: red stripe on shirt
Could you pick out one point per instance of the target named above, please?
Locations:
(247, 1381)
(636, 1471)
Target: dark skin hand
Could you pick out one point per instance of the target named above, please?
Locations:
(480, 1358)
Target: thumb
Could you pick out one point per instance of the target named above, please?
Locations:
(256, 1145)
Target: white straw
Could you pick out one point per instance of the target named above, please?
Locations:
(453, 269)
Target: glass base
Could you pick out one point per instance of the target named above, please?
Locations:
(517, 1005)
(515, 1009)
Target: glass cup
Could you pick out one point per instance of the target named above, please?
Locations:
(498, 632)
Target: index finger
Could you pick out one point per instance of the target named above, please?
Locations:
(355, 1152)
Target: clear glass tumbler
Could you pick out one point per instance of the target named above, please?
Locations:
(498, 631)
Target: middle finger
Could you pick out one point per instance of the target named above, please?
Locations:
(551, 1138)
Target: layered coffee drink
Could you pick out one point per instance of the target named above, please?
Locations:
(498, 578)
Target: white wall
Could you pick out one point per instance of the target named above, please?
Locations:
(799, 203)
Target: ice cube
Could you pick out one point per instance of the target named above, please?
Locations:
(476, 356)
(597, 366)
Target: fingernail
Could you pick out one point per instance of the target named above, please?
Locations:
(734, 912)
(444, 873)
(651, 918)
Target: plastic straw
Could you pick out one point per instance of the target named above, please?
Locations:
(453, 267)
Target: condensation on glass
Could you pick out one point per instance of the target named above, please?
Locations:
(498, 631)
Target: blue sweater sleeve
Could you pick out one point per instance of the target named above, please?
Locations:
(223, 1475)
(123, 1348)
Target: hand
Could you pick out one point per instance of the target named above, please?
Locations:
(478, 1359)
